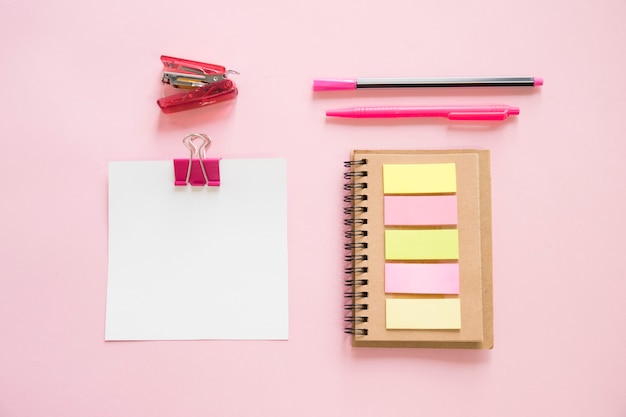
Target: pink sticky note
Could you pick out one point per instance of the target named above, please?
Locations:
(435, 278)
(420, 210)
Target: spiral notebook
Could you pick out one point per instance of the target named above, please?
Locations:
(418, 230)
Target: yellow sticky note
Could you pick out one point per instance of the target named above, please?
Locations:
(426, 313)
(430, 244)
(419, 178)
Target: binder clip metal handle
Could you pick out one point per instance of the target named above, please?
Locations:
(203, 84)
(197, 170)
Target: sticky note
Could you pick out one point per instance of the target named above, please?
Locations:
(420, 210)
(423, 313)
(422, 278)
(419, 178)
(430, 244)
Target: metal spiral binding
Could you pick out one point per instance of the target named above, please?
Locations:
(352, 222)
(350, 186)
(357, 270)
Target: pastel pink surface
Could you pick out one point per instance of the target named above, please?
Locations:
(420, 210)
(80, 81)
(422, 278)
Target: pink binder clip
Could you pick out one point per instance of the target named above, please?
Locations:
(197, 170)
(202, 84)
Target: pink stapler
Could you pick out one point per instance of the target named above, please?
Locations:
(203, 84)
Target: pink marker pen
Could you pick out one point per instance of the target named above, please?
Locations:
(354, 83)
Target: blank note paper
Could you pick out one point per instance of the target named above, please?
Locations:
(197, 262)
(423, 313)
(422, 278)
(420, 210)
(419, 178)
(417, 244)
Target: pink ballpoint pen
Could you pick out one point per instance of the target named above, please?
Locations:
(490, 112)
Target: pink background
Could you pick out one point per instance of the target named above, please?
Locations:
(79, 84)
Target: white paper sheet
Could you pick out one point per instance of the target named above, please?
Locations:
(197, 262)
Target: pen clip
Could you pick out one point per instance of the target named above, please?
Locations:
(483, 115)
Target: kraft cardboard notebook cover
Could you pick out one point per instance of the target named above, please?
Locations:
(419, 249)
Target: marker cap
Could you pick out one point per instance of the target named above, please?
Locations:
(334, 84)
